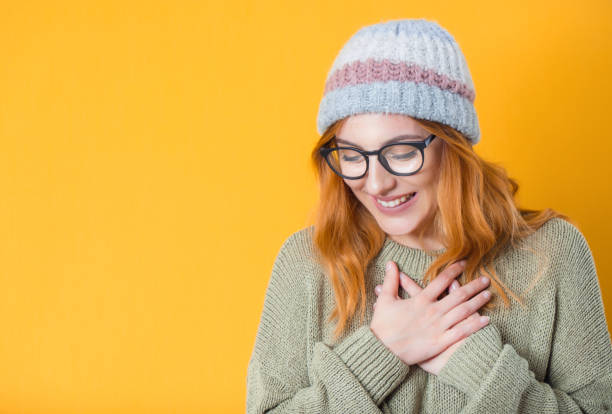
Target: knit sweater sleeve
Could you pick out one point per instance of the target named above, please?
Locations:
(579, 377)
(355, 375)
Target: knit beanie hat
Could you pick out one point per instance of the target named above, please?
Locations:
(411, 66)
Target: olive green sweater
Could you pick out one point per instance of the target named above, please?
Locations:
(553, 356)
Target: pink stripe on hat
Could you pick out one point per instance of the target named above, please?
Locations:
(384, 70)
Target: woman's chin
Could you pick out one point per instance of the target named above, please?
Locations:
(393, 228)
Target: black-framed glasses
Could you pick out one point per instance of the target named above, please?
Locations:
(399, 158)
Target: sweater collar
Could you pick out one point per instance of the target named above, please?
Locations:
(412, 261)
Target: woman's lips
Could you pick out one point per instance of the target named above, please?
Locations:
(397, 209)
(395, 197)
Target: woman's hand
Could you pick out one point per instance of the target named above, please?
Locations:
(434, 365)
(422, 329)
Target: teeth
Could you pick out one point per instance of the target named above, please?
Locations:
(395, 202)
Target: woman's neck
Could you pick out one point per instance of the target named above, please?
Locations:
(427, 243)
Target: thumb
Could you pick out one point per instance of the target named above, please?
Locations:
(391, 282)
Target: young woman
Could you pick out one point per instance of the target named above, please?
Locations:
(380, 305)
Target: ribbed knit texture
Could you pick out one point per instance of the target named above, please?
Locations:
(412, 67)
(553, 356)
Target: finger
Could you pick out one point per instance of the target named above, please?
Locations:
(434, 289)
(453, 286)
(409, 285)
(464, 328)
(461, 295)
(377, 289)
(391, 282)
(465, 309)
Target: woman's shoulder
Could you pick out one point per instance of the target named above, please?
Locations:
(298, 245)
(296, 254)
(562, 227)
(567, 250)
(300, 239)
(560, 237)
(554, 248)
(296, 268)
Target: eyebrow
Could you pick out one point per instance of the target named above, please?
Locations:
(394, 139)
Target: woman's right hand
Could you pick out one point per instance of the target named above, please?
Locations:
(421, 327)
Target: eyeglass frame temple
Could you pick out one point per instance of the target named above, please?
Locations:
(420, 145)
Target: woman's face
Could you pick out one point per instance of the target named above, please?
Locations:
(370, 131)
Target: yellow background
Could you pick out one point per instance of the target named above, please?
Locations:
(135, 259)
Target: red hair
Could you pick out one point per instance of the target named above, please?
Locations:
(477, 216)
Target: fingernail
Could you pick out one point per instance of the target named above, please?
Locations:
(484, 319)
(377, 289)
(402, 275)
(389, 265)
(463, 263)
(484, 279)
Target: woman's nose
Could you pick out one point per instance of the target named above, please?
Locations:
(378, 179)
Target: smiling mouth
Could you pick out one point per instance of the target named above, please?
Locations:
(398, 201)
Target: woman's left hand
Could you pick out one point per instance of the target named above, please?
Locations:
(435, 364)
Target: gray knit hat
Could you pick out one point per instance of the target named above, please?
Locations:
(411, 66)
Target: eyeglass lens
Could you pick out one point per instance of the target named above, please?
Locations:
(402, 158)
